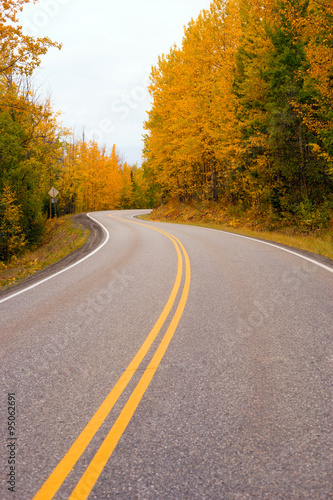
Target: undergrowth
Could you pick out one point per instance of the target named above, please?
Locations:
(316, 240)
(62, 236)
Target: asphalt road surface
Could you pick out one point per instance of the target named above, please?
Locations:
(176, 362)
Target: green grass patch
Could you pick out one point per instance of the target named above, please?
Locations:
(62, 236)
(214, 218)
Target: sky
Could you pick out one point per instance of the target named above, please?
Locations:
(98, 81)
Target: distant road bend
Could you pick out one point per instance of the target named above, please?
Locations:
(174, 362)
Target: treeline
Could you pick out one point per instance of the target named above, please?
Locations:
(90, 179)
(243, 111)
(37, 152)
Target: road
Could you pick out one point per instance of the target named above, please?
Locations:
(176, 362)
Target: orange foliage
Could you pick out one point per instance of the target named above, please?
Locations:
(19, 53)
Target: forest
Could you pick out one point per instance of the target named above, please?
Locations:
(242, 112)
(241, 118)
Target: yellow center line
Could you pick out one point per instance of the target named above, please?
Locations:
(96, 466)
(65, 466)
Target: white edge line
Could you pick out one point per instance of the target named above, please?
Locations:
(263, 242)
(330, 269)
(66, 268)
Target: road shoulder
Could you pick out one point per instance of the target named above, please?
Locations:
(96, 236)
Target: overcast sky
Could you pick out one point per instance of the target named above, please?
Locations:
(99, 78)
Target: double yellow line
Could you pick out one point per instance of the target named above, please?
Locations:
(96, 466)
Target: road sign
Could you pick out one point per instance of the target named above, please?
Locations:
(53, 201)
(53, 193)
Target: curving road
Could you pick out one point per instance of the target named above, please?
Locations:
(175, 362)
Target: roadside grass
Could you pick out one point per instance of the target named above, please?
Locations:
(62, 236)
(319, 243)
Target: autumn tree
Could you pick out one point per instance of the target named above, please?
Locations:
(242, 111)
(90, 178)
(19, 53)
(194, 108)
(317, 29)
(30, 148)
(277, 95)
(29, 133)
(12, 239)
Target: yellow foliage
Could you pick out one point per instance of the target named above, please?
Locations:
(19, 52)
(12, 240)
(90, 179)
(191, 128)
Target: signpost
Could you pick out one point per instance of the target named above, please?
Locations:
(53, 193)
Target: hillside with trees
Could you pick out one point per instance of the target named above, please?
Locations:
(242, 112)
